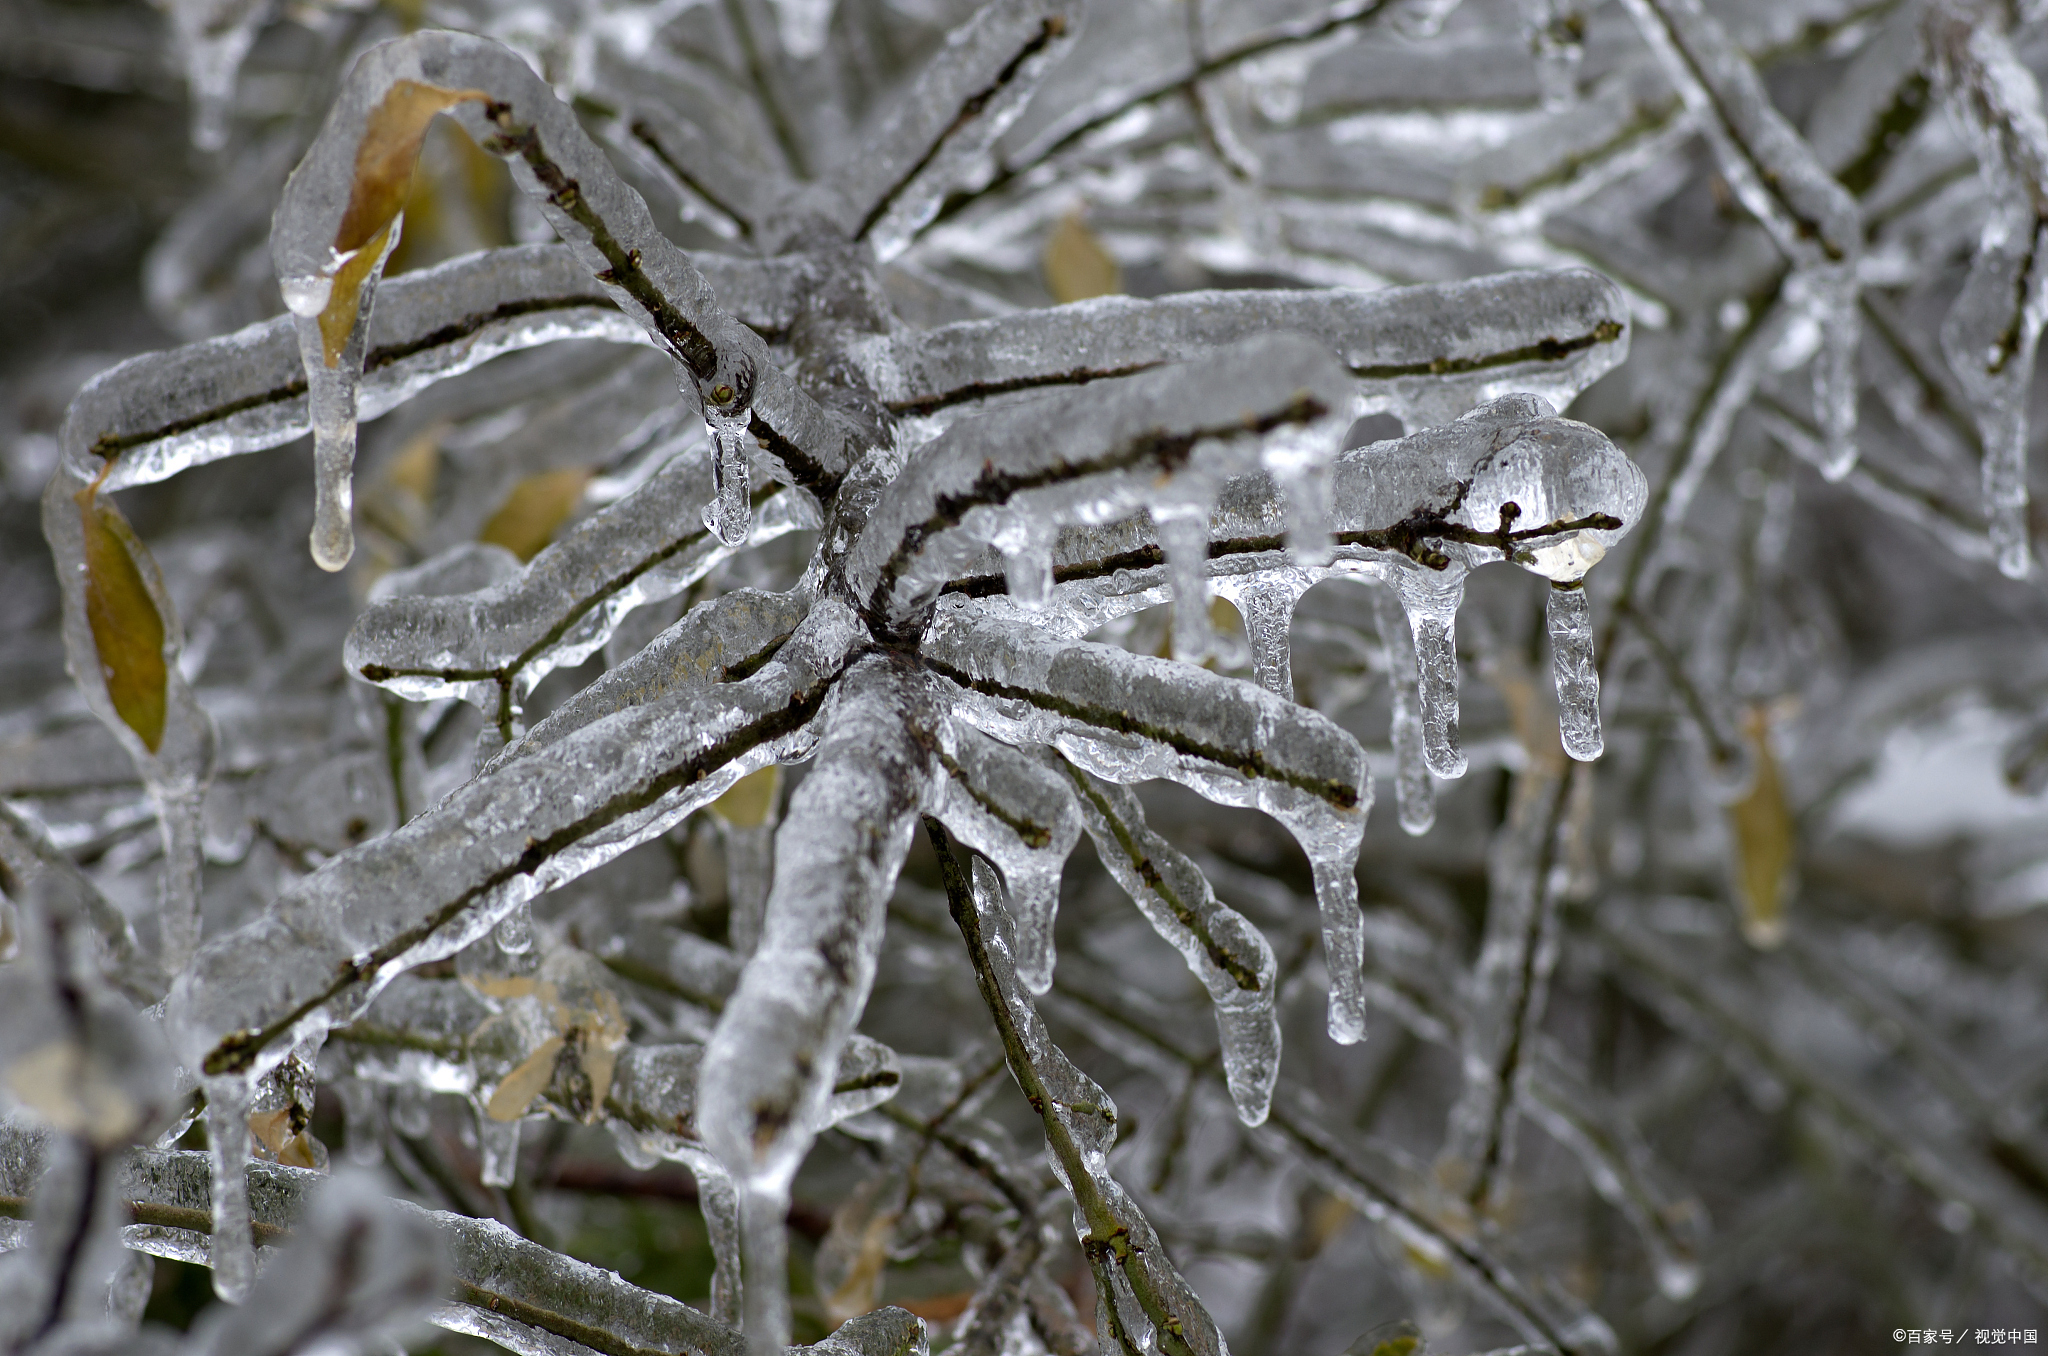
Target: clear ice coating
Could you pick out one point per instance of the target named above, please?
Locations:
(1414, 792)
(1993, 328)
(730, 514)
(931, 581)
(1567, 617)
(1432, 621)
(1221, 947)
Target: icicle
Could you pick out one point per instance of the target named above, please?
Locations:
(1569, 617)
(1330, 838)
(1267, 605)
(749, 873)
(1026, 546)
(1184, 534)
(227, 1137)
(1023, 817)
(1298, 459)
(334, 356)
(362, 1121)
(1433, 618)
(497, 1146)
(128, 1289)
(179, 803)
(720, 1202)
(1422, 18)
(1834, 304)
(1221, 947)
(764, 1244)
(1414, 792)
(730, 514)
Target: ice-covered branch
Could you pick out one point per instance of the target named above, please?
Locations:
(948, 119)
(1142, 1301)
(1428, 354)
(493, 645)
(767, 1072)
(340, 219)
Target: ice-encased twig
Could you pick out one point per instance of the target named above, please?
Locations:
(359, 1269)
(1221, 946)
(1768, 164)
(1415, 793)
(494, 1269)
(323, 949)
(1023, 817)
(1068, 121)
(1143, 1304)
(1994, 326)
(706, 170)
(1372, 1177)
(494, 645)
(1815, 221)
(1427, 353)
(1129, 718)
(1627, 121)
(943, 125)
(1090, 456)
(340, 204)
(28, 856)
(766, 1078)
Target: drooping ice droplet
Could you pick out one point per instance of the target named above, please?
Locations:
(1414, 792)
(1432, 609)
(1569, 619)
(227, 1134)
(730, 514)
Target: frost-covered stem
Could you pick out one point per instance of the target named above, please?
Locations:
(1116, 1234)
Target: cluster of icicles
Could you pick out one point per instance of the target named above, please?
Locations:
(984, 537)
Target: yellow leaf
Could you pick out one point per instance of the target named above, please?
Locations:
(389, 149)
(751, 799)
(298, 1152)
(272, 1128)
(338, 317)
(127, 630)
(1076, 264)
(527, 520)
(516, 1090)
(1765, 840)
(383, 177)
